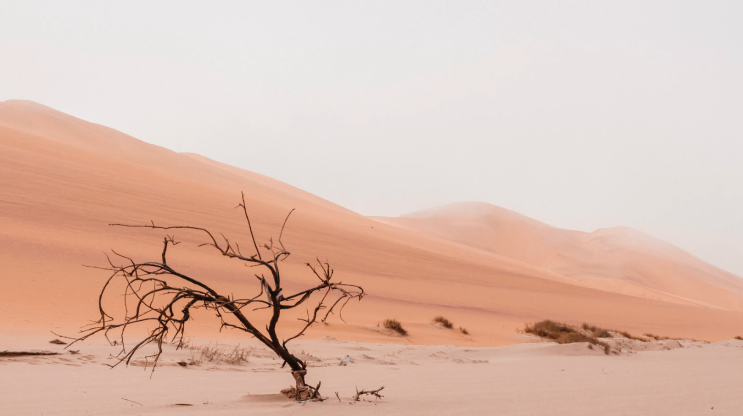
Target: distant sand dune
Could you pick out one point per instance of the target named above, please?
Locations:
(616, 259)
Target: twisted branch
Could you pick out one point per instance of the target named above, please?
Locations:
(161, 295)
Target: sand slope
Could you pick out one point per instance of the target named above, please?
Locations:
(62, 180)
(618, 259)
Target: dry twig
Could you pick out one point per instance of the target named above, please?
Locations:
(132, 401)
(375, 393)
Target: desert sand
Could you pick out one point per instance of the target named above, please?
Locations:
(525, 379)
(63, 180)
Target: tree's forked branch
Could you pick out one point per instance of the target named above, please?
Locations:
(162, 299)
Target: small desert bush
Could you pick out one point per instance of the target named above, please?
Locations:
(548, 329)
(463, 330)
(395, 325)
(655, 337)
(563, 334)
(628, 335)
(444, 322)
(219, 353)
(739, 337)
(599, 332)
(596, 331)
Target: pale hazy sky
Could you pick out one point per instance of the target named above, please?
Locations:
(579, 114)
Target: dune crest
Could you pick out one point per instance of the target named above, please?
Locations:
(616, 259)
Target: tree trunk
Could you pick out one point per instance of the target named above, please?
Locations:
(302, 391)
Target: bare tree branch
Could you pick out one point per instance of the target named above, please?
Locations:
(369, 392)
(158, 295)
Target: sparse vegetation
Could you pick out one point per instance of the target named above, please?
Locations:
(599, 332)
(449, 324)
(57, 342)
(628, 335)
(220, 353)
(395, 325)
(655, 337)
(565, 334)
(596, 331)
(444, 322)
(739, 337)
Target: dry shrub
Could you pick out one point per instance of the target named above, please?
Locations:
(628, 335)
(395, 325)
(655, 337)
(463, 330)
(563, 334)
(182, 344)
(599, 332)
(739, 337)
(57, 342)
(547, 329)
(596, 331)
(220, 354)
(444, 322)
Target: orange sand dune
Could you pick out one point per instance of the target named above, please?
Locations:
(63, 180)
(617, 259)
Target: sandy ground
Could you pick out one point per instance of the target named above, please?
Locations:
(525, 379)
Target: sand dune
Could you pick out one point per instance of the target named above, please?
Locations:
(63, 180)
(617, 259)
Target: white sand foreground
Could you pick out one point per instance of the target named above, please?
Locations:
(526, 379)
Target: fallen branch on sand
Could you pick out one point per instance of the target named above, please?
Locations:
(25, 353)
(132, 401)
(369, 392)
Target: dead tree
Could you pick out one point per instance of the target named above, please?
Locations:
(157, 294)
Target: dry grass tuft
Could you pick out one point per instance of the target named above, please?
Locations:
(214, 353)
(444, 322)
(739, 337)
(599, 332)
(449, 324)
(565, 334)
(655, 337)
(219, 354)
(628, 335)
(58, 342)
(596, 331)
(395, 325)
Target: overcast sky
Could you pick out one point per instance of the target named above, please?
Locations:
(579, 114)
